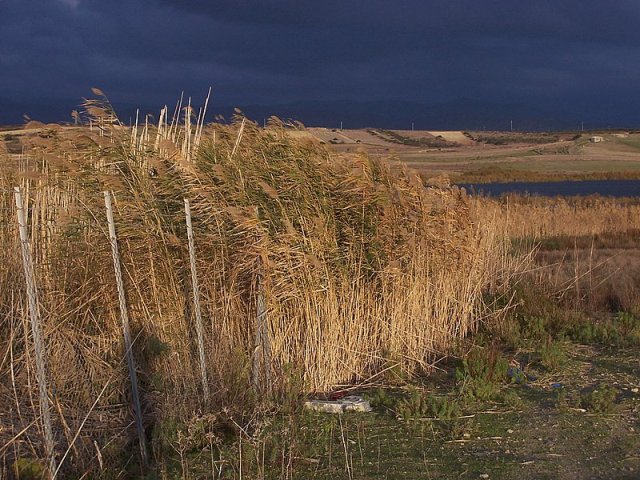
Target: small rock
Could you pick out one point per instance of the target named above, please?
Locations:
(351, 403)
(354, 403)
(324, 406)
(509, 431)
(635, 390)
(484, 475)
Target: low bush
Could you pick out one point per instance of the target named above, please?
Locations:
(553, 355)
(621, 329)
(420, 404)
(482, 374)
(601, 399)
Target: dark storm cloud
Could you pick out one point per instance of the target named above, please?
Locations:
(550, 53)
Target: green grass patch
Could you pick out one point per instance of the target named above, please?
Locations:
(601, 399)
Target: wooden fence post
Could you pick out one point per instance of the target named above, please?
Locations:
(196, 300)
(38, 341)
(262, 341)
(113, 239)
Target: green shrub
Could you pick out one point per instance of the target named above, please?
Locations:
(419, 404)
(28, 469)
(380, 399)
(484, 364)
(560, 399)
(600, 400)
(623, 329)
(553, 356)
(482, 374)
(478, 389)
(510, 398)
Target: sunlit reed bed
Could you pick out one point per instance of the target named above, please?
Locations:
(359, 267)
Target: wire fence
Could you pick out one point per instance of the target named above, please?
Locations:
(63, 435)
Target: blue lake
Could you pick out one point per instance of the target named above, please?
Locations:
(608, 188)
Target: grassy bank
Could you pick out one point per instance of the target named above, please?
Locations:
(498, 174)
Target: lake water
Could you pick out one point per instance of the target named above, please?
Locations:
(608, 188)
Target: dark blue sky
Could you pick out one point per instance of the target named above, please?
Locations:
(581, 58)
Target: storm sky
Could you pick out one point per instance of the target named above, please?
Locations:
(577, 56)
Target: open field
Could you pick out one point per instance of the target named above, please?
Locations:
(498, 156)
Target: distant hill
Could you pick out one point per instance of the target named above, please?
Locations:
(460, 114)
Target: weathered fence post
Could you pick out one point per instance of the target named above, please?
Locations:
(113, 239)
(262, 342)
(38, 341)
(196, 299)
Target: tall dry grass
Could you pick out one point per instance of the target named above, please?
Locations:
(358, 263)
(587, 248)
(531, 217)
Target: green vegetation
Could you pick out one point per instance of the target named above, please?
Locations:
(28, 469)
(621, 329)
(507, 138)
(600, 399)
(555, 173)
(419, 404)
(423, 142)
